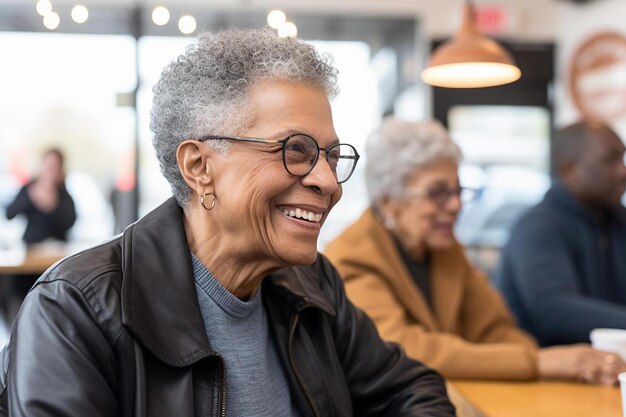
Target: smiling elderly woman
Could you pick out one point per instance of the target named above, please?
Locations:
(217, 303)
(403, 266)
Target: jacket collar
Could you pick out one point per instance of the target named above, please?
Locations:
(298, 286)
(159, 300)
(560, 195)
(376, 250)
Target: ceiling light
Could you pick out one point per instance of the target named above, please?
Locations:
(469, 59)
(276, 18)
(160, 16)
(80, 14)
(187, 24)
(288, 30)
(43, 7)
(51, 21)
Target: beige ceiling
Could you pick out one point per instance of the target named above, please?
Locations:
(530, 18)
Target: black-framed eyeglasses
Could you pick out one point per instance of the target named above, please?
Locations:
(300, 154)
(441, 195)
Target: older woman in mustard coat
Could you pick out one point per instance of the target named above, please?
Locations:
(403, 266)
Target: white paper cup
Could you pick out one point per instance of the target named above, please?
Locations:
(622, 388)
(609, 340)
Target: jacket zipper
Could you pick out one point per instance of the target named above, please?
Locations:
(292, 330)
(223, 392)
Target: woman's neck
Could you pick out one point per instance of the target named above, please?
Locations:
(238, 272)
(415, 250)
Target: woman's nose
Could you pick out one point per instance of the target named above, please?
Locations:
(321, 177)
(453, 203)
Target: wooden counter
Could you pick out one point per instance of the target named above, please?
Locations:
(34, 260)
(534, 399)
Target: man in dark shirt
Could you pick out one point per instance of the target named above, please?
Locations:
(563, 271)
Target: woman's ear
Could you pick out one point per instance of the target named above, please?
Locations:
(386, 209)
(194, 164)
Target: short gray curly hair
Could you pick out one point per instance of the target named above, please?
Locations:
(398, 147)
(204, 91)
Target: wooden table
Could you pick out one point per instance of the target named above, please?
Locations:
(33, 260)
(534, 399)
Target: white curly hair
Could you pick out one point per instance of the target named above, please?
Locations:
(398, 147)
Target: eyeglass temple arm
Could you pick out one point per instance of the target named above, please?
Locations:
(412, 192)
(259, 140)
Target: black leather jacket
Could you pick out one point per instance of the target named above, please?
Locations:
(116, 330)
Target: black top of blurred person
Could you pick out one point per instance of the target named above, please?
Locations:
(50, 221)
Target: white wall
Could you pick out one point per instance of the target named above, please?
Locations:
(574, 25)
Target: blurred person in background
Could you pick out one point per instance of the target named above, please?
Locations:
(403, 266)
(50, 213)
(217, 302)
(48, 207)
(563, 271)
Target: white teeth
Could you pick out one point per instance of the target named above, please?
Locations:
(303, 214)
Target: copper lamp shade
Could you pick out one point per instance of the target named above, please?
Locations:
(470, 60)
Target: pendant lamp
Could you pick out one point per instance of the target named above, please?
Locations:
(469, 59)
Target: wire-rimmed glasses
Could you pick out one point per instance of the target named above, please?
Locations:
(440, 195)
(300, 154)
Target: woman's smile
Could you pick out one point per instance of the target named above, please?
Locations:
(308, 217)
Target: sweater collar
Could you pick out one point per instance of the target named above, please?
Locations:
(559, 194)
(159, 298)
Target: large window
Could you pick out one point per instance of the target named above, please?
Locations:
(506, 157)
(154, 54)
(61, 90)
(355, 113)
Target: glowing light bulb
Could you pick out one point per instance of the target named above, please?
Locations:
(43, 7)
(187, 24)
(160, 16)
(80, 14)
(276, 18)
(288, 30)
(51, 21)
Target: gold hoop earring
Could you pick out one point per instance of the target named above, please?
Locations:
(390, 223)
(212, 203)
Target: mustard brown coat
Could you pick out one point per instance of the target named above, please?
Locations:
(469, 332)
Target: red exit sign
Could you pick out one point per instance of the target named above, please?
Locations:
(492, 19)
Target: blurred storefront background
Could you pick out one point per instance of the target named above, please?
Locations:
(87, 89)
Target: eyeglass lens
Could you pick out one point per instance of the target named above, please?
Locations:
(442, 195)
(300, 153)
